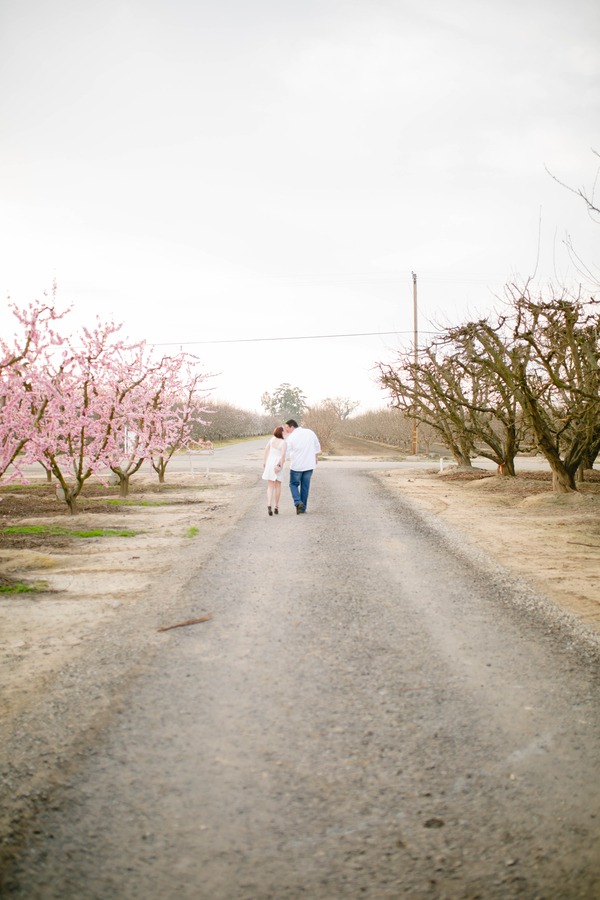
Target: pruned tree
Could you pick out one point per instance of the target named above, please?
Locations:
(544, 355)
(558, 381)
(495, 420)
(432, 391)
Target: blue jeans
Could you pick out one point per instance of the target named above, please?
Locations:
(300, 485)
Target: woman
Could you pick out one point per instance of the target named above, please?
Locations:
(273, 461)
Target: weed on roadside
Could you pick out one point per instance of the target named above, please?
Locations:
(69, 532)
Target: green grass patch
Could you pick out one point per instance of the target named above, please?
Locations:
(18, 588)
(192, 531)
(69, 532)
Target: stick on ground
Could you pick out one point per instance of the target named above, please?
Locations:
(188, 622)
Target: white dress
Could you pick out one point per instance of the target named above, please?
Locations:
(275, 446)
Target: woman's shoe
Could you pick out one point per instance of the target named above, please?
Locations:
(276, 511)
(270, 510)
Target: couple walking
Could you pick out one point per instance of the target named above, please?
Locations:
(301, 446)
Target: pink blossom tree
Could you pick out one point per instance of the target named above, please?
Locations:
(134, 417)
(155, 419)
(22, 402)
(181, 410)
(84, 394)
(92, 403)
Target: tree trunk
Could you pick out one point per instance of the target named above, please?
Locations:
(562, 481)
(588, 460)
(123, 477)
(71, 501)
(507, 468)
(64, 493)
(461, 460)
(510, 451)
(123, 484)
(160, 467)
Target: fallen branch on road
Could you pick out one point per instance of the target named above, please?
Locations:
(188, 622)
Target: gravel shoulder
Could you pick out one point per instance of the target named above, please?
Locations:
(550, 540)
(68, 656)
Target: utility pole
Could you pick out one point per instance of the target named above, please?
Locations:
(415, 434)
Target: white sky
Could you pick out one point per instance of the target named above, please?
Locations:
(209, 171)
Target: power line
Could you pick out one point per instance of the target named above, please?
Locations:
(344, 278)
(298, 337)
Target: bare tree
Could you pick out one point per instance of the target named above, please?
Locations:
(386, 426)
(588, 197)
(224, 422)
(432, 392)
(559, 380)
(536, 371)
(323, 419)
(343, 406)
(495, 420)
(588, 272)
(550, 364)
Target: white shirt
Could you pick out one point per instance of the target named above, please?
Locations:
(302, 446)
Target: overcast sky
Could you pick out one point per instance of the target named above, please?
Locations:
(209, 172)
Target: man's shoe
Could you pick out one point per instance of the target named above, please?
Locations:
(299, 508)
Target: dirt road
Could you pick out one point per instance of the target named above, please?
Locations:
(367, 714)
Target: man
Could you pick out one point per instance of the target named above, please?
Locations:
(302, 449)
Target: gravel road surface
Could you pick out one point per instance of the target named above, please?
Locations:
(369, 713)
